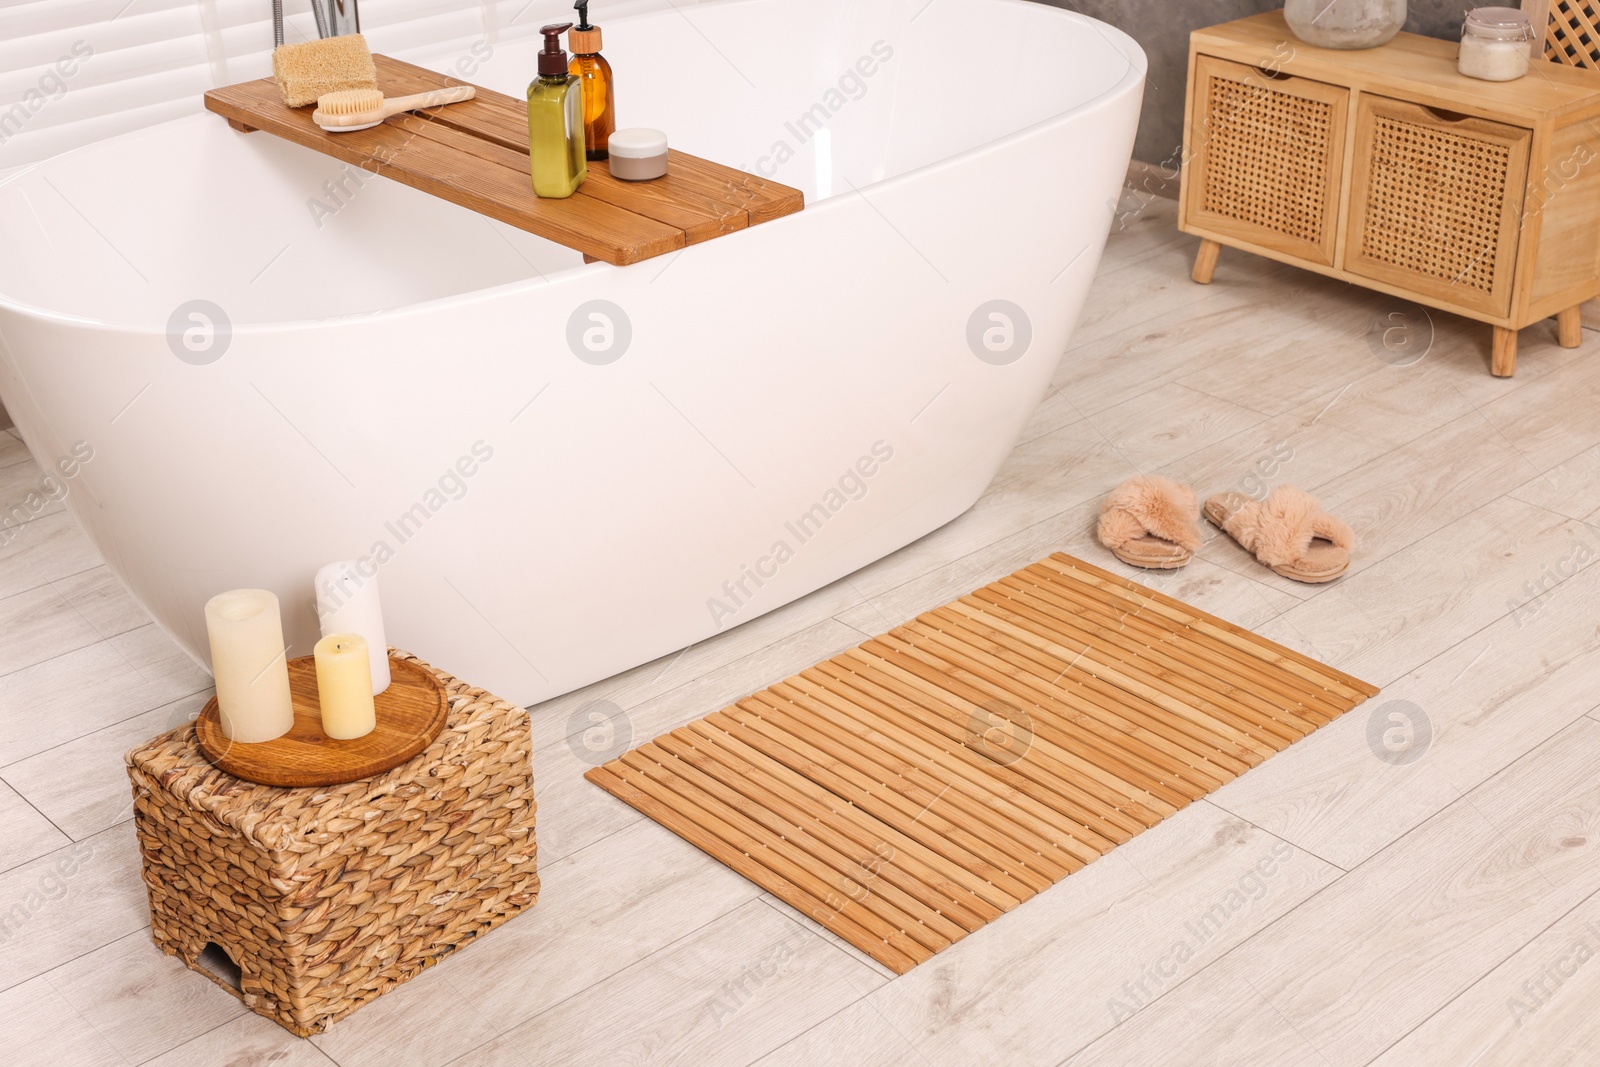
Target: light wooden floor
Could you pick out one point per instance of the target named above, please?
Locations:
(1331, 906)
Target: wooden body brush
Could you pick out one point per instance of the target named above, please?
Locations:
(361, 109)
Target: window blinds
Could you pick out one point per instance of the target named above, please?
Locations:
(76, 71)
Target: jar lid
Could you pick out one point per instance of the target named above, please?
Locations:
(1499, 23)
(638, 143)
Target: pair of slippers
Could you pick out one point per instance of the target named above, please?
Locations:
(1150, 521)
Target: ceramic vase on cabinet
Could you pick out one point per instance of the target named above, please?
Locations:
(1345, 23)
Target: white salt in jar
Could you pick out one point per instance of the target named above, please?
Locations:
(1496, 44)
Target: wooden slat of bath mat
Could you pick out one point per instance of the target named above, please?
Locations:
(1191, 756)
(899, 800)
(881, 725)
(843, 851)
(941, 869)
(1320, 675)
(951, 744)
(1098, 658)
(782, 848)
(1205, 659)
(1126, 806)
(869, 793)
(1205, 654)
(887, 808)
(1024, 838)
(475, 154)
(1047, 604)
(954, 655)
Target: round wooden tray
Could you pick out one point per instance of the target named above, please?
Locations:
(411, 712)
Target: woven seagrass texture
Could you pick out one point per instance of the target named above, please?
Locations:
(1435, 201)
(1267, 158)
(1572, 33)
(326, 898)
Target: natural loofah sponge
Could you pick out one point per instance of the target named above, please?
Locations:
(306, 71)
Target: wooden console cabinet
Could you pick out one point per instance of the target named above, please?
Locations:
(1387, 168)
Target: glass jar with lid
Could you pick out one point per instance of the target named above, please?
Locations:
(1496, 44)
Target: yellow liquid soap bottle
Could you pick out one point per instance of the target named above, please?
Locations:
(599, 92)
(555, 121)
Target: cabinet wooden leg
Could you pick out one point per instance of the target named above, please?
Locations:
(1504, 362)
(1569, 327)
(1205, 262)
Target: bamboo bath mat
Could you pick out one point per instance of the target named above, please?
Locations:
(908, 791)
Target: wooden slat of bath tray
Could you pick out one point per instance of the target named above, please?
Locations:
(906, 792)
(476, 154)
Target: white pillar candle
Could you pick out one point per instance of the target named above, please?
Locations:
(347, 603)
(247, 661)
(344, 686)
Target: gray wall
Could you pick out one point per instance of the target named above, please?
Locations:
(1162, 27)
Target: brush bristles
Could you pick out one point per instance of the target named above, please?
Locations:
(350, 102)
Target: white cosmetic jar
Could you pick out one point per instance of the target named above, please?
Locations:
(637, 155)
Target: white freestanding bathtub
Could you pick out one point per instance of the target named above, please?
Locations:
(277, 361)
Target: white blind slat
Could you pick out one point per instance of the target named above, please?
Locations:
(76, 71)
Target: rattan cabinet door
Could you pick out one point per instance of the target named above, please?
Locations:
(1265, 152)
(1436, 204)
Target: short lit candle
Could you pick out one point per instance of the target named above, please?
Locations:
(248, 663)
(347, 603)
(344, 686)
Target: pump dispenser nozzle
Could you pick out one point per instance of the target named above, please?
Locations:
(599, 98)
(552, 59)
(556, 144)
(585, 38)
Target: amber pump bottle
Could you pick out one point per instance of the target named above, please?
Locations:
(599, 95)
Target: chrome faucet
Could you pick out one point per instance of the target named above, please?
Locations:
(343, 17)
(335, 18)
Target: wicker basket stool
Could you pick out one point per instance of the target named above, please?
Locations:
(325, 898)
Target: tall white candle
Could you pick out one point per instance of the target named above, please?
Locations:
(347, 603)
(248, 663)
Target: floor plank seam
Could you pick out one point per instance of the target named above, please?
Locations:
(84, 1018)
(1215, 803)
(1463, 794)
(1487, 972)
(51, 582)
(844, 948)
(524, 1020)
(36, 810)
(108, 726)
(1397, 843)
(754, 654)
(145, 929)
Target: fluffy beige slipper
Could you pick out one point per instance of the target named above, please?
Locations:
(1288, 531)
(1149, 521)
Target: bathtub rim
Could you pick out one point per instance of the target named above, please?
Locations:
(1132, 79)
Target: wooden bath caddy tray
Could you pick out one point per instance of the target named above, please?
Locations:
(411, 712)
(475, 154)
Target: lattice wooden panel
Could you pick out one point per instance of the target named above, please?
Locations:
(1435, 202)
(1571, 32)
(907, 792)
(1267, 158)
